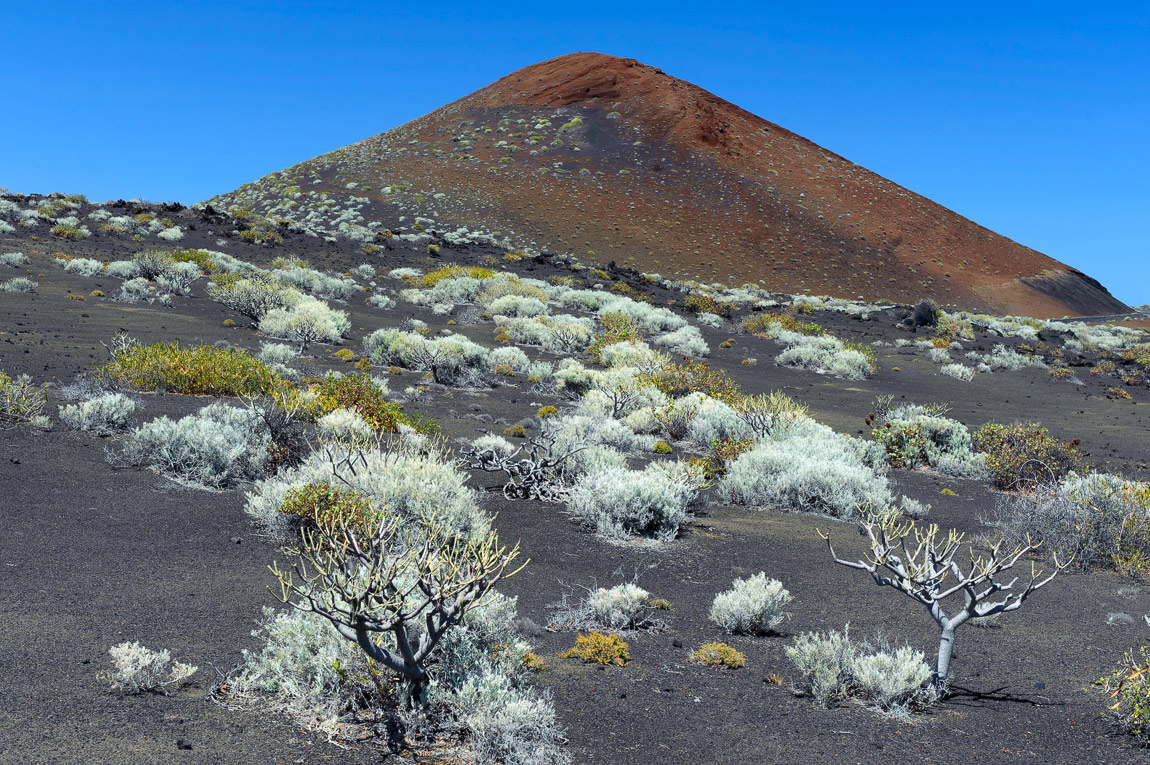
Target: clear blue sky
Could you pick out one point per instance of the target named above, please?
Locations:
(1032, 121)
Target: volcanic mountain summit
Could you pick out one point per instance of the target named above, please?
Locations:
(614, 160)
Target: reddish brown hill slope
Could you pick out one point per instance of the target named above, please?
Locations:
(614, 160)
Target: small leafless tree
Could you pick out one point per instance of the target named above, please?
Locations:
(540, 473)
(370, 582)
(923, 566)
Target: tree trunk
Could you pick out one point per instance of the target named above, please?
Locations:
(945, 651)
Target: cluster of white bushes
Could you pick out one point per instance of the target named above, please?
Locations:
(1090, 520)
(937, 441)
(19, 284)
(520, 306)
(478, 683)
(137, 669)
(307, 320)
(476, 686)
(623, 607)
(833, 668)
(1003, 358)
(820, 353)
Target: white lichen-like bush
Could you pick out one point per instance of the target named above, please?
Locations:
(631, 354)
(19, 284)
(808, 467)
(511, 357)
(891, 679)
(617, 608)
(104, 413)
(307, 321)
(619, 503)
(123, 269)
(752, 606)
(517, 306)
(379, 300)
(134, 290)
(277, 353)
(345, 425)
(957, 371)
(253, 296)
(824, 353)
(400, 482)
(1002, 358)
(216, 448)
(83, 266)
(1095, 520)
(138, 669)
(304, 664)
(686, 341)
(914, 435)
(452, 360)
(824, 663)
(710, 420)
(12, 259)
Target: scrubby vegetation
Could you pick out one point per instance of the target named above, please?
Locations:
(832, 668)
(1025, 456)
(753, 606)
(217, 447)
(199, 370)
(719, 655)
(599, 648)
(138, 669)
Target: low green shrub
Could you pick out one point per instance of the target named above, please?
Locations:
(1022, 457)
(198, 370)
(1127, 693)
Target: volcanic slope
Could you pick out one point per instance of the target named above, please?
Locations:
(617, 161)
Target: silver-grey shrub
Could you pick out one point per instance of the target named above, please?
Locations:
(137, 669)
(622, 607)
(104, 413)
(134, 290)
(807, 467)
(402, 482)
(254, 296)
(19, 284)
(379, 300)
(216, 448)
(277, 353)
(687, 341)
(305, 665)
(1097, 520)
(452, 360)
(13, 259)
(752, 606)
(123, 269)
(619, 503)
(957, 371)
(833, 668)
(308, 320)
(824, 663)
(83, 266)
